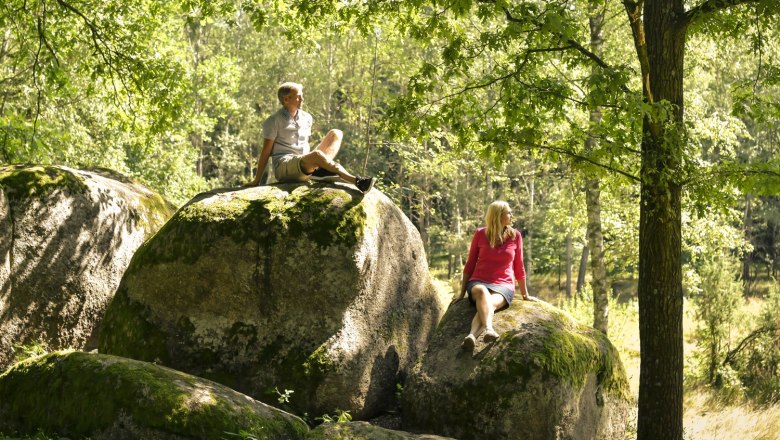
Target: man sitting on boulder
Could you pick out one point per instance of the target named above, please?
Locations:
(286, 141)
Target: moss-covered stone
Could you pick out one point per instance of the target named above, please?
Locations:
(311, 288)
(67, 237)
(24, 181)
(81, 395)
(567, 375)
(324, 216)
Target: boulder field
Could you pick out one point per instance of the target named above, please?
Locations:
(313, 298)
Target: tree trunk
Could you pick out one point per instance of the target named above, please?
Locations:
(598, 272)
(582, 270)
(195, 34)
(568, 263)
(528, 239)
(747, 260)
(660, 43)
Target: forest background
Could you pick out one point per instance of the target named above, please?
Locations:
(450, 105)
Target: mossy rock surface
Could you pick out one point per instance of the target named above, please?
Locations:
(364, 431)
(80, 395)
(66, 237)
(311, 288)
(546, 377)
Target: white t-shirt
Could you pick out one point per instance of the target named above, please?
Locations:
(290, 135)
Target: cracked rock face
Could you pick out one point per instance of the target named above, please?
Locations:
(309, 294)
(66, 237)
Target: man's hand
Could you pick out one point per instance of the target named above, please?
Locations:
(456, 299)
(253, 182)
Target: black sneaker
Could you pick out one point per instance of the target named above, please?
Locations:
(323, 175)
(364, 184)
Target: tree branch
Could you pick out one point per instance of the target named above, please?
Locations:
(42, 35)
(572, 43)
(748, 339)
(709, 7)
(575, 156)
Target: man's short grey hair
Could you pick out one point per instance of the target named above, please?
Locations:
(287, 88)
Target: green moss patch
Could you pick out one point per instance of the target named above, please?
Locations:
(327, 216)
(567, 350)
(21, 182)
(79, 395)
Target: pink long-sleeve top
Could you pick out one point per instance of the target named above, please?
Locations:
(500, 265)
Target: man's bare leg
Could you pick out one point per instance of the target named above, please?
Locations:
(322, 157)
(318, 159)
(331, 143)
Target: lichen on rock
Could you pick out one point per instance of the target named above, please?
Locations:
(82, 395)
(311, 288)
(66, 237)
(547, 376)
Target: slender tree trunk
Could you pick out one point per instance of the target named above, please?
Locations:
(747, 260)
(424, 215)
(329, 107)
(195, 34)
(568, 263)
(583, 269)
(371, 104)
(598, 272)
(528, 239)
(659, 36)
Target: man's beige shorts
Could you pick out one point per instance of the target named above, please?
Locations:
(288, 169)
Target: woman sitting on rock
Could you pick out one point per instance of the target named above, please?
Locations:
(494, 266)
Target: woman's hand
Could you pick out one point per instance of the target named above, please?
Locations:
(458, 298)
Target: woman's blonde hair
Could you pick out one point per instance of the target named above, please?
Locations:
(494, 231)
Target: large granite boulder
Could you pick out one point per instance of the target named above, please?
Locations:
(546, 377)
(82, 395)
(66, 237)
(311, 293)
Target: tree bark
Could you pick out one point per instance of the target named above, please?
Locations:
(528, 239)
(747, 260)
(583, 269)
(568, 263)
(598, 272)
(660, 43)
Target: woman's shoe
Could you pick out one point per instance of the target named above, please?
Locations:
(490, 335)
(469, 342)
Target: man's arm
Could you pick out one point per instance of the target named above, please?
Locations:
(262, 161)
